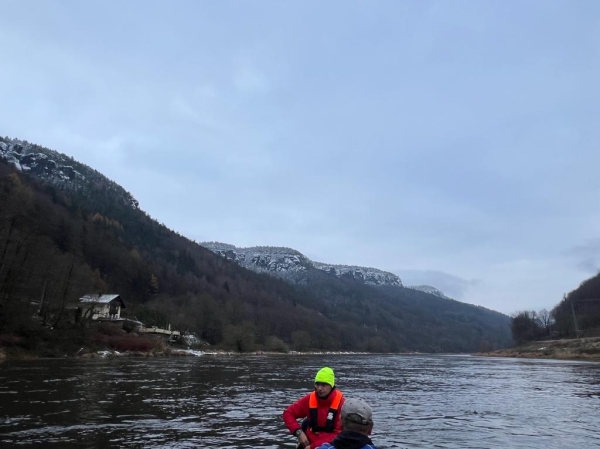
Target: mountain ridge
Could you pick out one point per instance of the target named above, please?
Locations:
(65, 173)
(59, 170)
(63, 238)
(291, 264)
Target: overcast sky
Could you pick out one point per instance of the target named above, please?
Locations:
(454, 143)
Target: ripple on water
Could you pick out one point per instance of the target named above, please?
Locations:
(418, 401)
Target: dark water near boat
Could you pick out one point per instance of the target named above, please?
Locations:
(236, 401)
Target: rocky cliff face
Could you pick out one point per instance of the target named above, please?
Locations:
(285, 263)
(60, 170)
(293, 266)
(370, 276)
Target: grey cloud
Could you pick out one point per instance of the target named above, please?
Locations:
(586, 256)
(449, 284)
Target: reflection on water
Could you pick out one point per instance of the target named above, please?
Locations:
(236, 401)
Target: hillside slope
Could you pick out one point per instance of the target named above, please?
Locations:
(59, 241)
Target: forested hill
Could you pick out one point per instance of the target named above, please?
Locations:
(578, 314)
(60, 240)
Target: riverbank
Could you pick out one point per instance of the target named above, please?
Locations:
(162, 351)
(565, 349)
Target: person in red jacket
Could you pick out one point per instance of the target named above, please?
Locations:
(319, 410)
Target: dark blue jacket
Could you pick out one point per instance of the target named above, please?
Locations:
(349, 440)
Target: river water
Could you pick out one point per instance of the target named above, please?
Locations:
(236, 401)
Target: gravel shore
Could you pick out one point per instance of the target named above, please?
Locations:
(573, 349)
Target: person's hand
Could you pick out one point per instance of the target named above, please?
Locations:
(303, 440)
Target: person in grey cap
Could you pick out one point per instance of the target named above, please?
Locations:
(357, 423)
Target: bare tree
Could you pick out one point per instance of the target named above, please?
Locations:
(546, 320)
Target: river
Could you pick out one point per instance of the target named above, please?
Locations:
(236, 401)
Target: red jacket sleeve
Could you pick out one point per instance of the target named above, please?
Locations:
(298, 410)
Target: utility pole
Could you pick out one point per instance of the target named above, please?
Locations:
(580, 331)
(575, 320)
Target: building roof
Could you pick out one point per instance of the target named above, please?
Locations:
(102, 299)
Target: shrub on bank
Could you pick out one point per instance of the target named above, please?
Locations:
(35, 340)
(276, 344)
(9, 340)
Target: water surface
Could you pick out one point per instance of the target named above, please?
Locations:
(236, 401)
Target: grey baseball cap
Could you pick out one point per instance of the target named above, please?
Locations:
(358, 411)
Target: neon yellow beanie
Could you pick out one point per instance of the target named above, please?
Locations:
(326, 376)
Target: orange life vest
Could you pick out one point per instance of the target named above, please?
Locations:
(331, 414)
